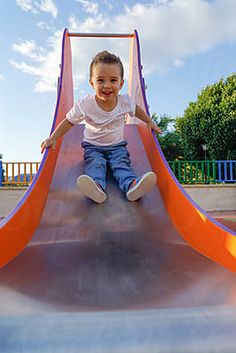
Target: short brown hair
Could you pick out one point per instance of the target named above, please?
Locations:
(104, 57)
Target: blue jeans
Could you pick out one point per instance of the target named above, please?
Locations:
(116, 156)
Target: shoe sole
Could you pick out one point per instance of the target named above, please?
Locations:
(89, 188)
(145, 184)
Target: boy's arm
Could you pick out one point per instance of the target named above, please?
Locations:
(142, 115)
(60, 130)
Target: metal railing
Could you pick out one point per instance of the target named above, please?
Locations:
(226, 171)
(204, 172)
(187, 172)
(17, 173)
(101, 35)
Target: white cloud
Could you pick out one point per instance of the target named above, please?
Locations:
(90, 24)
(170, 32)
(31, 70)
(177, 29)
(25, 48)
(36, 6)
(44, 25)
(49, 6)
(45, 67)
(89, 6)
(178, 63)
(109, 4)
(27, 5)
(29, 49)
(2, 78)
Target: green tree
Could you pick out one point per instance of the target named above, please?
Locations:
(211, 120)
(170, 139)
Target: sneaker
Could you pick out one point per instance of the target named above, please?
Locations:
(141, 186)
(89, 188)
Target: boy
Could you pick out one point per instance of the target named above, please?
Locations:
(104, 115)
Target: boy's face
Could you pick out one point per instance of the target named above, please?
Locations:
(106, 81)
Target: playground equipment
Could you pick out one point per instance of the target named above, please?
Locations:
(120, 276)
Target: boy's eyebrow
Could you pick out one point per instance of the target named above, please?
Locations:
(98, 77)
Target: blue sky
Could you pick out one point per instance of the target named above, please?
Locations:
(186, 44)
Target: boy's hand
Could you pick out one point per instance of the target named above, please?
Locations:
(152, 126)
(49, 142)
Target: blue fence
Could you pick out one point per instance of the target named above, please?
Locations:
(208, 171)
(226, 171)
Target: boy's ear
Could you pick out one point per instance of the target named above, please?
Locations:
(91, 82)
(122, 83)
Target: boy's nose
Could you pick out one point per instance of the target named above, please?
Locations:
(106, 84)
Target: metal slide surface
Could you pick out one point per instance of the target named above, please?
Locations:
(114, 277)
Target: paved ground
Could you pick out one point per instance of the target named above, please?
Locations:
(227, 218)
(224, 214)
(9, 197)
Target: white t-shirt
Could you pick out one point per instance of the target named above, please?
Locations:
(102, 128)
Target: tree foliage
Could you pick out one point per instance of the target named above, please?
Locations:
(211, 120)
(170, 139)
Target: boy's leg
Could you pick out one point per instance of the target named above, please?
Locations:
(120, 164)
(92, 184)
(141, 186)
(89, 188)
(95, 163)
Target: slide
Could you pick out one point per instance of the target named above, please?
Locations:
(157, 275)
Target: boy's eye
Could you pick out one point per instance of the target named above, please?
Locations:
(114, 80)
(100, 80)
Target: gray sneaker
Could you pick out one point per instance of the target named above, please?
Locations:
(142, 186)
(89, 188)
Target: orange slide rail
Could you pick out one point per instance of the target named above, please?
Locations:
(18, 227)
(197, 228)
